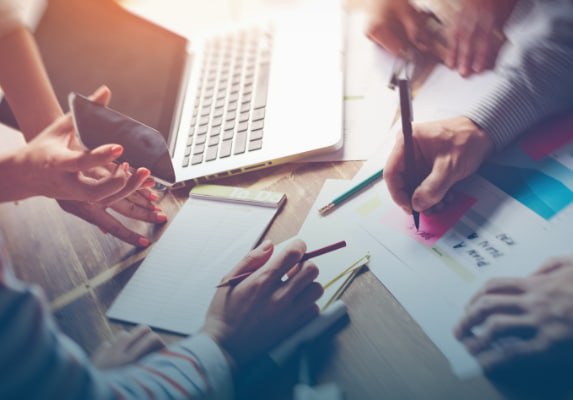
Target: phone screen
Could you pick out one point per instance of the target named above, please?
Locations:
(143, 146)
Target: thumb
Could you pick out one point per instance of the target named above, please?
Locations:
(433, 189)
(254, 260)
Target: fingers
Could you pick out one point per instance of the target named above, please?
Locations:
(310, 294)
(102, 95)
(496, 328)
(390, 37)
(484, 54)
(93, 190)
(501, 286)
(254, 260)
(466, 40)
(134, 183)
(478, 312)
(296, 285)
(135, 211)
(434, 188)
(507, 352)
(83, 160)
(394, 175)
(109, 224)
(271, 275)
(553, 265)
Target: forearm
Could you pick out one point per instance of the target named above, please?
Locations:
(25, 83)
(14, 182)
(195, 368)
(539, 86)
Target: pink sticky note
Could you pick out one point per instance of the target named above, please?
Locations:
(548, 137)
(432, 226)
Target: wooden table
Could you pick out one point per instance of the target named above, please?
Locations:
(381, 354)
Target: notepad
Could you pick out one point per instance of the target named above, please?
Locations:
(213, 231)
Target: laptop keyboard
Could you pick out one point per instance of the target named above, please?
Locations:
(229, 111)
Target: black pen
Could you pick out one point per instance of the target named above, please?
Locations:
(409, 157)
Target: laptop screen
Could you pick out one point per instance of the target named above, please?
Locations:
(87, 43)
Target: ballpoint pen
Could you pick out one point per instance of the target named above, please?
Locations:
(409, 157)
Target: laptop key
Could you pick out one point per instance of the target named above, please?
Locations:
(217, 121)
(200, 139)
(225, 148)
(258, 114)
(211, 153)
(229, 125)
(232, 106)
(204, 120)
(231, 115)
(255, 135)
(255, 125)
(190, 140)
(243, 127)
(187, 151)
(215, 130)
(202, 130)
(261, 89)
(197, 159)
(228, 134)
(213, 141)
(255, 145)
(218, 112)
(240, 142)
(185, 162)
(244, 117)
(199, 149)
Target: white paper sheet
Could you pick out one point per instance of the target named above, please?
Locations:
(433, 281)
(173, 287)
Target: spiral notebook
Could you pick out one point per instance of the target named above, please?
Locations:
(212, 232)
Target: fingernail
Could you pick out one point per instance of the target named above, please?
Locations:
(143, 172)
(143, 242)
(116, 150)
(153, 196)
(266, 245)
(160, 218)
(125, 167)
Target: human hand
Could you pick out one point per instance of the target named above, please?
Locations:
(134, 200)
(474, 32)
(396, 25)
(526, 321)
(251, 317)
(127, 348)
(445, 152)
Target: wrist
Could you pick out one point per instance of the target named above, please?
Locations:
(482, 140)
(16, 178)
(230, 359)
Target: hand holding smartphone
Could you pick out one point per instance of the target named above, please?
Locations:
(143, 146)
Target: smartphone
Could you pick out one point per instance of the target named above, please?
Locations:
(143, 146)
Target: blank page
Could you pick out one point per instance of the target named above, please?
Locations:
(174, 285)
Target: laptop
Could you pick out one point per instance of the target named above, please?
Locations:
(228, 101)
(260, 94)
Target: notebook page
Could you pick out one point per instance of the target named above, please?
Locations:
(174, 285)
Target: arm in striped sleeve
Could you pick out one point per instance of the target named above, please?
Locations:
(38, 362)
(539, 86)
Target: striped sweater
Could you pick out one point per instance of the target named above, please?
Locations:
(38, 362)
(536, 75)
